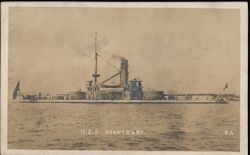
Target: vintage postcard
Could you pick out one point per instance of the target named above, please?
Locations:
(124, 78)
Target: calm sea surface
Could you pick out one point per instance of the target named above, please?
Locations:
(195, 127)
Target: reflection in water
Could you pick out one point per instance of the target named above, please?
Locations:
(169, 127)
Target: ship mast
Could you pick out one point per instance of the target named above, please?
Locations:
(95, 75)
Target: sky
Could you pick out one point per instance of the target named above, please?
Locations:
(183, 50)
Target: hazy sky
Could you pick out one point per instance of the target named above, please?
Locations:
(187, 50)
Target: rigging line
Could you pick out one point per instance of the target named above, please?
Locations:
(82, 53)
(108, 62)
(87, 56)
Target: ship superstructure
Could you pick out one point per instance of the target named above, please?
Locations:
(125, 89)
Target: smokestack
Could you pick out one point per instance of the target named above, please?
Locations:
(124, 72)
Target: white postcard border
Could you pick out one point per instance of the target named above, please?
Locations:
(220, 5)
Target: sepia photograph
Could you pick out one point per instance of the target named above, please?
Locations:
(131, 77)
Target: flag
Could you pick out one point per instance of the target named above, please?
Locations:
(16, 90)
(225, 87)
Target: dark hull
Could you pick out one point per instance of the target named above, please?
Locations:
(125, 101)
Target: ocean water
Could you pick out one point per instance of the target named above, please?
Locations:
(170, 127)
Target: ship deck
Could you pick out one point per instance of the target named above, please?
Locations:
(126, 101)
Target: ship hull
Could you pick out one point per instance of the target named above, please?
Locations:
(125, 101)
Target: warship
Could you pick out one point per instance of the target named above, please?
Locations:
(127, 91)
